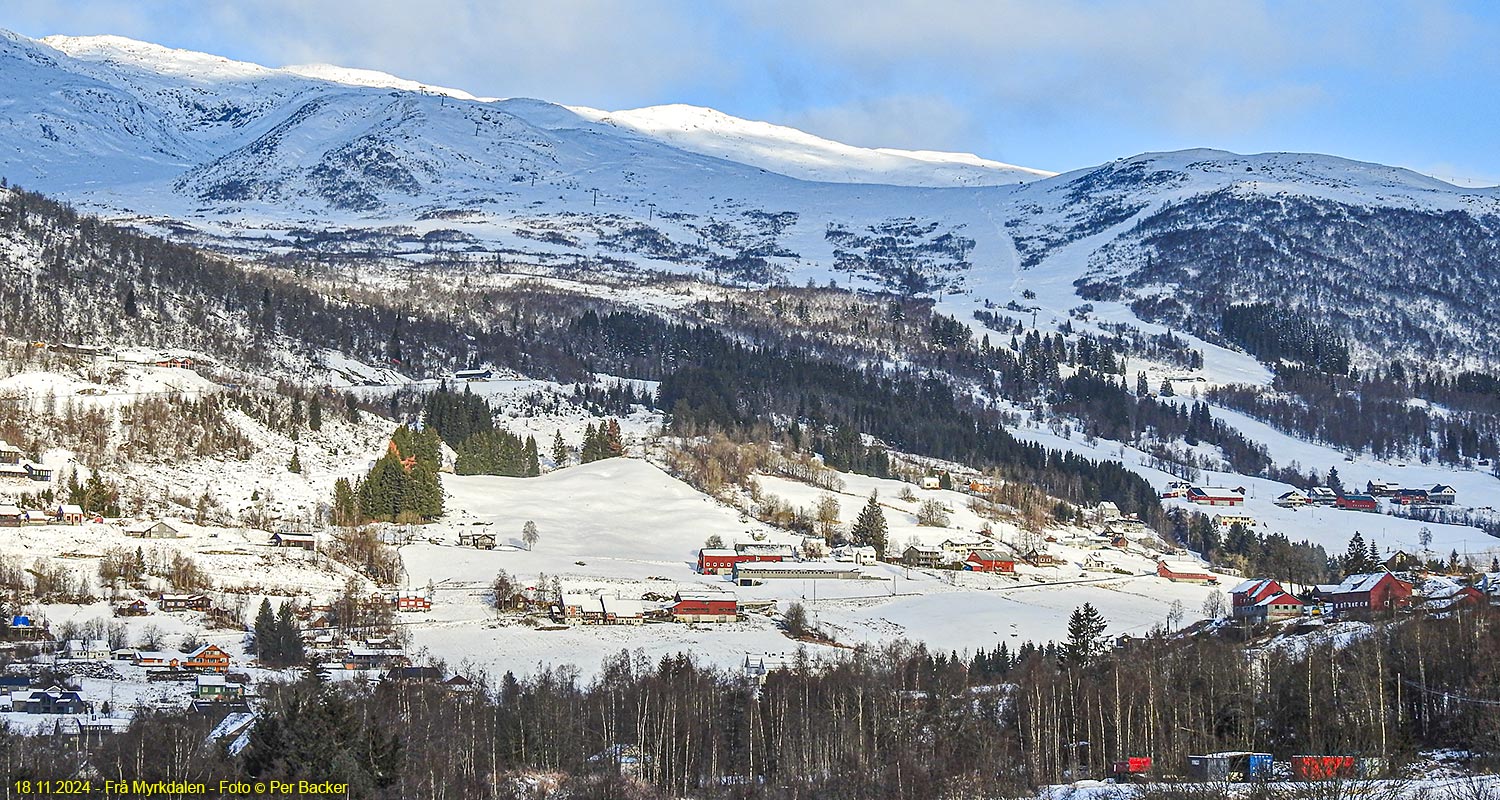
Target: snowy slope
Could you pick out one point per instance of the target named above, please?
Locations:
(777, 148)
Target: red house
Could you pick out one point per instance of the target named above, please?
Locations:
(1247, 594)
(1365, 594)
(1185, 571)
(1356, 502)
(413, 602)
(705, 607)
(989, 561)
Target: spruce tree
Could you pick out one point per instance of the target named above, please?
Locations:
(296, 463)
(533, 462)
(289, 648)
(265, 632)
(613, 444)
(559, 451)
(315, 413)
(870, 529)
(1085, 636)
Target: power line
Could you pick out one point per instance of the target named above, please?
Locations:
(1479, 701)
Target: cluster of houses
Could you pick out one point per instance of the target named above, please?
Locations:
(1438, 495)
(12, 516)
(1357, 596)
(15, 467)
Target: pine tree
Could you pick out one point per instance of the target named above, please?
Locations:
(345, 505)
(288, 637)
(315, 413)
(1356, 556)
(612, 444)
(870, 529)
(559, 451)
(296, 462)
(130, 308)
(1334, 482)
(1166, 388)
(1142, 387)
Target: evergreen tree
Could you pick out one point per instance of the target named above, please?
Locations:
(1166, 388)
(345, 505)
(1334, 482)
(533, 462)
(296, 463)
(289, 648)
(1142, 387)
(870, 529)
(393, 344)
(130, 308)
(315, 413)
(559, 451)
(1085, 636)
(265, 631)
(612, 444)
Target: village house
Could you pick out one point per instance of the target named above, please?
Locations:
(413, 602)
(359, 658)
(1226, 521)
(863, 555)
(152, 530)
(36, 517)
(1401, 561)
(1281, 605)
(81, 650)
(207, 658)
(1322, 496)
(1456, 598)
(37, 472)
(1442, 494)
(1356, 502)
(962, 547)
(705, 607)
(183, 602)
(751, 574)
(922, 555)
(71, 514)
(579, 607)
(9, 454)
(1409, 497)
(622, 610)
(1179, 571)
(55, 700)
(159, 659)
(1380, 488)
(217, 689)
(989, 561)
(479, 541)
(1247, 594)
(1362, 595)
(10, 516)
(1216, 496)
(124, 654)
(306, 541)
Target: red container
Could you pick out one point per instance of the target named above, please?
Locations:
(1322, 768)
(1135, 765)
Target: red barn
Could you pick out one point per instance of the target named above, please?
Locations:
(705, 607)
(1186, 571)
(1356, 502)
(1216, 496)
(989, 561)
(1247, 594)
(717, 561)
(1364, 594)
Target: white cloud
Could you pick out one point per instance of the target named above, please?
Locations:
(929, 122)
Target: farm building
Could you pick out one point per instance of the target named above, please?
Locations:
(705, 607)
(622, 610)
(1408, 497)
(961, 548)
(717, 561)
(479, 541)
(750, 574)
(921, 555)
(859, 555)
(1382, 488)
(1278, 606)
(762, 551)
(1216, 496)
(306, 541)
(1176, 570)
(70, 514)
(183, 602)
(1366, 594)
(151, 530)
(1442, 494)
(159, 658)
(10, 516)
(1356, 502)
(989, 561)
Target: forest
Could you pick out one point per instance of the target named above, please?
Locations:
(894, 721)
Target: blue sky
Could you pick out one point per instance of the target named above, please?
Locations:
(1054, 84)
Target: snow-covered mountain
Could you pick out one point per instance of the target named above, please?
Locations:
(335, 160)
